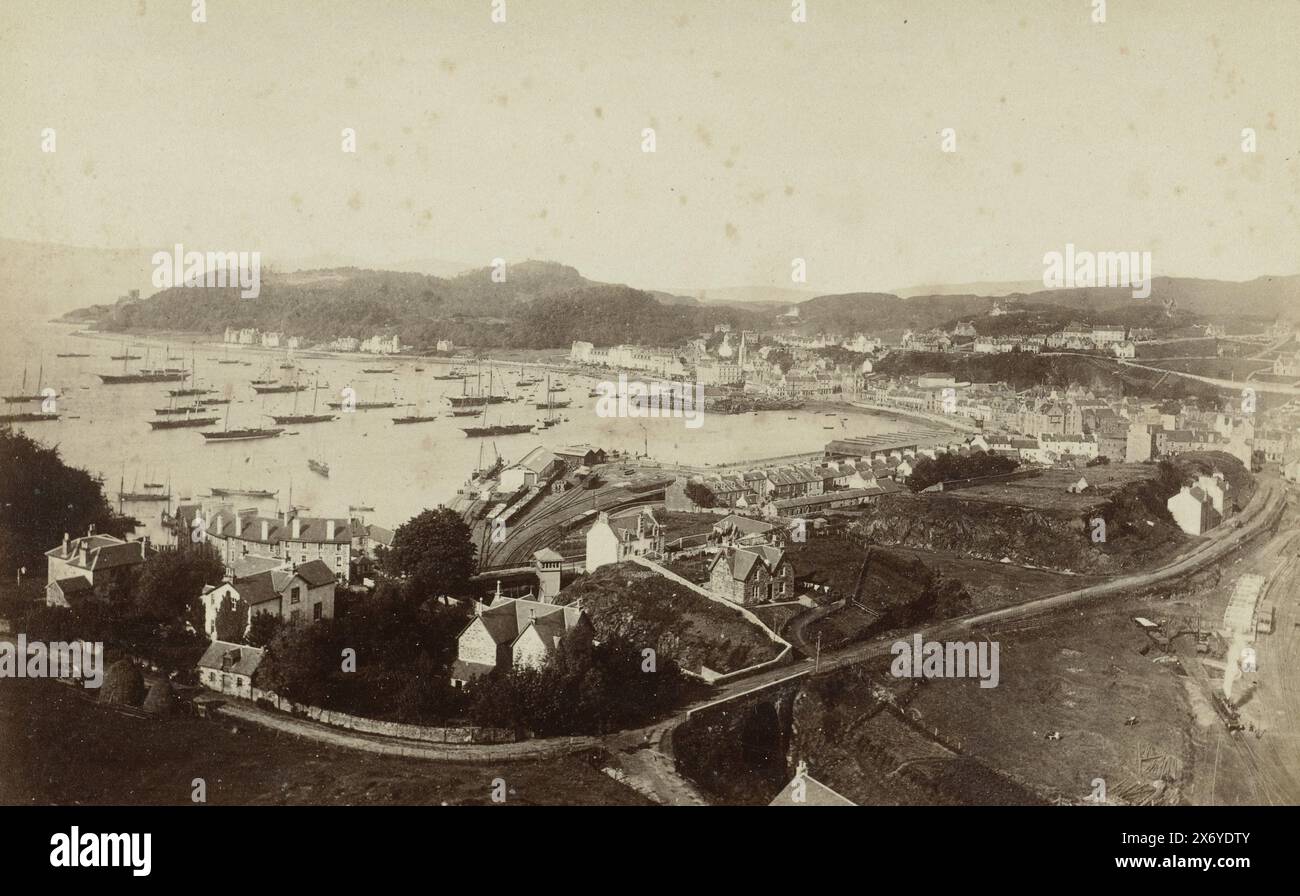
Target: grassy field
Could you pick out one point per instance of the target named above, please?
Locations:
(1083, 680)
(1048, 491)
(60, 749)
(627, 600)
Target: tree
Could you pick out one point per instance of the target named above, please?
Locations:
(41, 498)
(434, 553)
(263, 629)
(700, 494)
(170, 586)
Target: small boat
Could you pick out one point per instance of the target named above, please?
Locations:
(278, 389)
(414, 418)
(318, 466)
(378, 370)
(71, 355)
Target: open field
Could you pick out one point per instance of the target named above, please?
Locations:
(61, 749)
(1048, 491)
(627, 600)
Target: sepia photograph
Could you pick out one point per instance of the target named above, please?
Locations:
(890, 404)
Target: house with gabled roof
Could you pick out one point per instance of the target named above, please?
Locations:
(752, 574)
(228, 668)
(514, 632)
(302, 593)
(615, 537)
(83, 567)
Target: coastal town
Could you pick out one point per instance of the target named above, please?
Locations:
(733, 574)
(750, 403)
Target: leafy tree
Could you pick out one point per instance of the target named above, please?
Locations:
(581, 689)
(434, 553)
(41, 498)
(700, 494)
(172, 582)
(263, 628)
(950, 467)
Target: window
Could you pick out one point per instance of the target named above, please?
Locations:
(295, 615)
(316, 612)
(295, 595)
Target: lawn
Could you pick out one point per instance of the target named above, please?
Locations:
(60, 749)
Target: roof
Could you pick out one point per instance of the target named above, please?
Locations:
(243, 660)
(627, 522)
(536, 460)
(741, 561)
(380, 534)
(548, 555)
(316, 573)
(73, 585)
(106, 552)
(251, 565)
(506, 621)
(259, 588)
(743, 524)
(577, 451)
(310, 528)
(815, 793)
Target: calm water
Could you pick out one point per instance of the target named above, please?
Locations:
(397, 470)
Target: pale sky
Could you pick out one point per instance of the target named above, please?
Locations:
(774, 140)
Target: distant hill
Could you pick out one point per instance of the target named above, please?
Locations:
(1262, 300)
(539, 305)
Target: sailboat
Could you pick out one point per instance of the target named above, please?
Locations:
(497, 429)
(194, 388)
(295, 417)
(362, 405)
(551, 402)
(272, 387)
(22, 397)
(239, 435)
(125, 356)
(146, 375)
(123, 495)
(415, 418)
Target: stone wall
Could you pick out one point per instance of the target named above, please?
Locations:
(362, 725)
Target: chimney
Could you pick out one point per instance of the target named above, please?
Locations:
(239, 526)
(65, 544)
(91, 530)
(266, 530)
(297, 528)
(329, 530)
